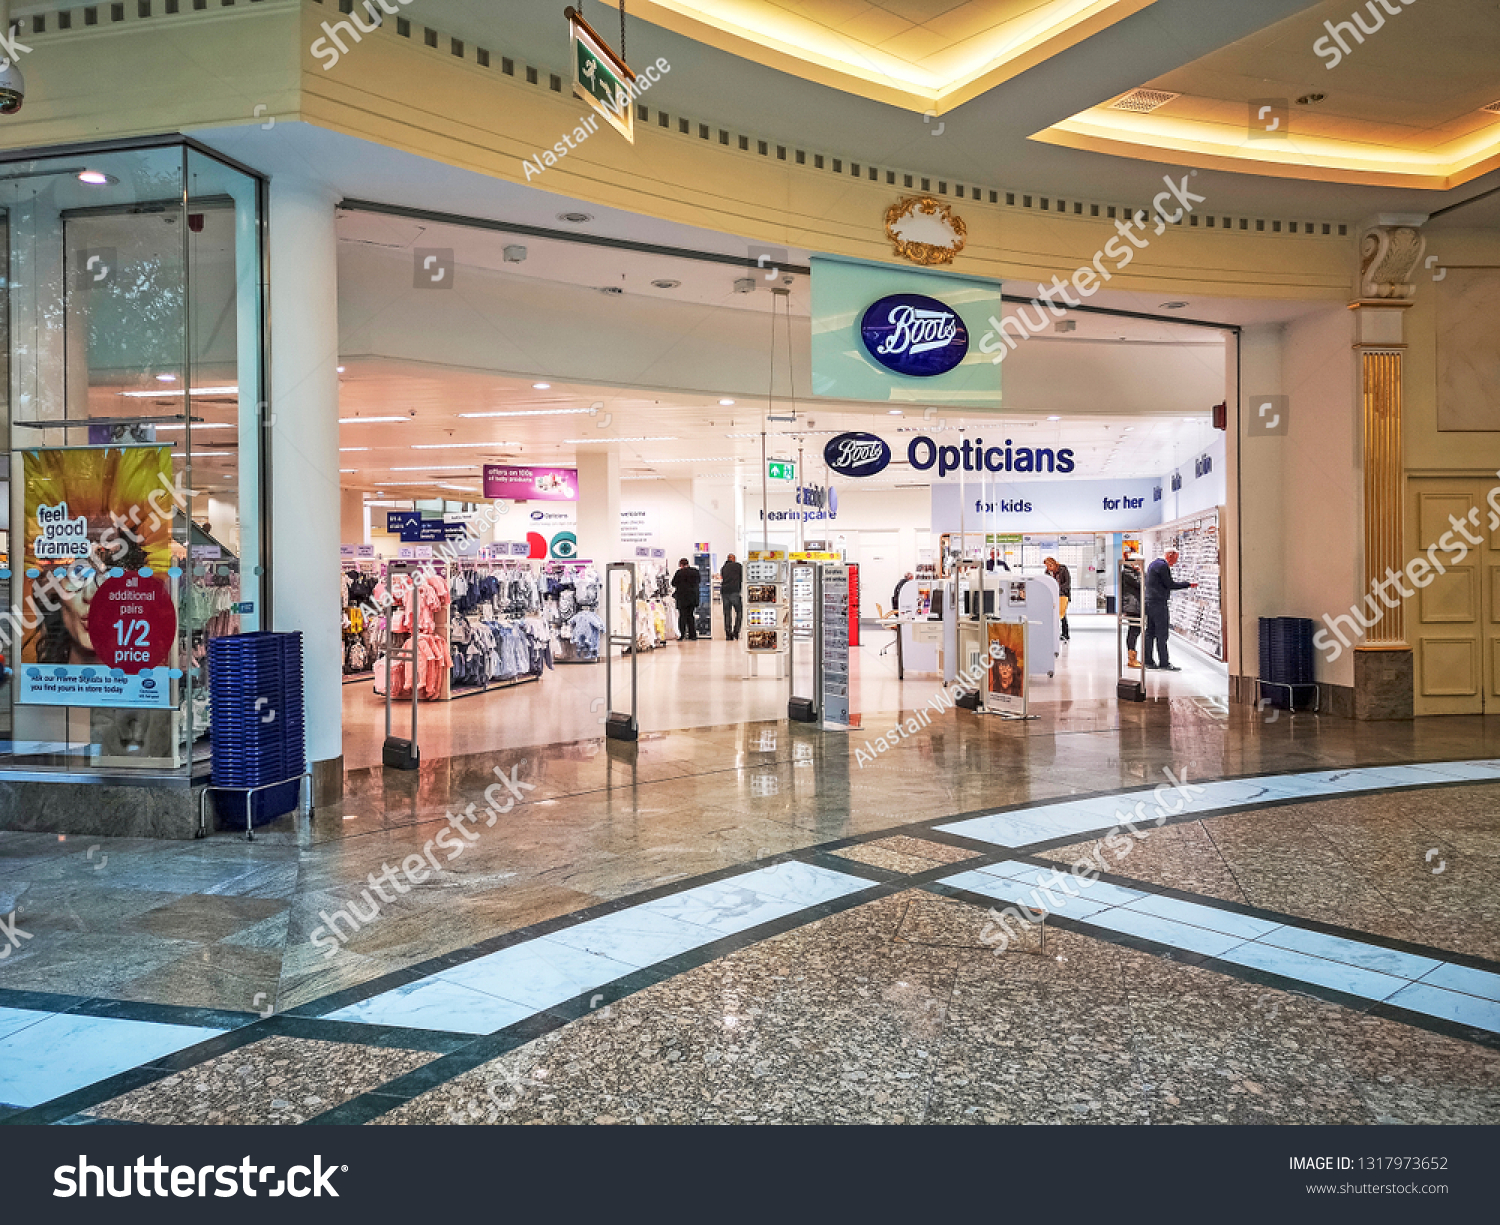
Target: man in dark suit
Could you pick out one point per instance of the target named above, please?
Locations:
(1159, 585)
(685, 594)
(731, 584)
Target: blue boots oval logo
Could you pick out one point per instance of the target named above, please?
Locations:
(857, 454)
(914, 335)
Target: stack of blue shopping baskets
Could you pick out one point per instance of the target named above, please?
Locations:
(1286, 659)
(257, 725)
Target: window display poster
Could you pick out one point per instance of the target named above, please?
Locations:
(523, 483)
(1007, 642)
(97, 609)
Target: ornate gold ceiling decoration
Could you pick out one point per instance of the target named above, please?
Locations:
(930, 218)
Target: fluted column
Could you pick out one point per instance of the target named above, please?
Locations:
(1390, 249)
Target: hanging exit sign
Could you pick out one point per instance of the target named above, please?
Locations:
(600, 77)
(781, 469)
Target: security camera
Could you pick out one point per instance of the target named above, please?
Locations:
(12, 88)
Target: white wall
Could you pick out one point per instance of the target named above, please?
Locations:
(1197, 492)
(1323, 556)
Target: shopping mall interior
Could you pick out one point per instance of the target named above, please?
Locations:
(751, 564)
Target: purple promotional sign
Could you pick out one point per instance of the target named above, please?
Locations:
(523, 483)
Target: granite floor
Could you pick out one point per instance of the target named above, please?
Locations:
(783, 932)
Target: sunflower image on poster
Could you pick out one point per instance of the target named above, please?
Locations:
(97, 546)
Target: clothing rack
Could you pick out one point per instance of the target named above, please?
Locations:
(363, 627)
(571, 591)
(497, 639)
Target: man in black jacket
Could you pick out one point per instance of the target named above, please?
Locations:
(731, 581)
(1159, 585)
(685, 593)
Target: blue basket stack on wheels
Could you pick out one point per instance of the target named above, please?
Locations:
(257, 724)
(1286, 657)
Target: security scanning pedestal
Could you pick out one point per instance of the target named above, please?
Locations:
(617, 724)
(399, 753)
(1130, 685)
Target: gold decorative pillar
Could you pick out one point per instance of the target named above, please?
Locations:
(1380, 374)
(1390, 249)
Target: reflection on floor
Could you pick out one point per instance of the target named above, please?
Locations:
(702, 684)
(472, 969)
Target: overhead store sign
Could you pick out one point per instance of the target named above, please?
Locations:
(857, 454)
(861, 454)
(600, 77)
(523, 483)
(914, 335)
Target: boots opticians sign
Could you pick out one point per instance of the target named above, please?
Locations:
(856, 454)
(860, 454)
(914, 335)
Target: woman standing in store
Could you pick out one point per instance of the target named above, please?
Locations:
(1064, 578)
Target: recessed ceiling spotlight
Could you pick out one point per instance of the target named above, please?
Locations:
(541, 387)
(725, 403)
(665, 284)
(340, 369)
(1310, 99)
(1170, 306)
(96, 178)
(896, 412)
(1054, 418)
(576, 218)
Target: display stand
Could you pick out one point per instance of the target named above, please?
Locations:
(834, 604)
(1197, 614)
(767, 611)
(617, 724)
(807, 599)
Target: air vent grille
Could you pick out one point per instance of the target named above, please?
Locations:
(1142, 100)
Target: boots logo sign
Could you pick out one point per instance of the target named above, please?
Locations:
(914, 335)
(857, 454)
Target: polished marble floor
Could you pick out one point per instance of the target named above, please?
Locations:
(750, 921)
(703, 684)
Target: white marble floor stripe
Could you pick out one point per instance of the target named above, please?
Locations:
(502, 988)
(44, 1055)
(1023, 827)
(1370, 971)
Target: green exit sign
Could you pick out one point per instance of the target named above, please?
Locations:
(781, 469)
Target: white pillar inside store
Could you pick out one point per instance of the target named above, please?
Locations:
(599, 503)
(304, 446)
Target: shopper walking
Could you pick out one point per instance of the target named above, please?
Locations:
(1159, 585)
(685, 593)
(1064, 578)
(731, 583)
